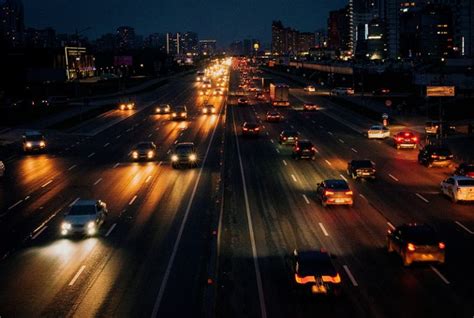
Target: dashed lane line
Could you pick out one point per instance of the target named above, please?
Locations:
(47, 183)
(132, 200)
(444, 279)
(14, 205)
(465, 228)
(34, 237)
(284, 162)
(306, 199)
(294, 178)
(351, 277)
(79, 272)
(323, 229)
(422, 198)
(327, 161)
(394, 178)
(98, 181)
(72, 167)
(354, 150)
(111, 229)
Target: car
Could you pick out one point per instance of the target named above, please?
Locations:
(465, 169)
(145, 150)
(334, 192)
(252, 88)
(127, 105)
(208, 109)
(250, 129)
(361, 169)
(33, 141)
(338, 91)
(435, 155)
(458, 188)
(435, 127)
(242, 101)
(304, 149)
(381, 91)
(315, 272)
(206, 84)
(259, 95)
(273, 116)
(184, 154)
(179, 113)
(310, 88)
(288, 137)
(405, 139)
(218, 92)
(84, 217)
(2, 169)
(310, 106)
(163, 109)
(416, 242)
(378, 132)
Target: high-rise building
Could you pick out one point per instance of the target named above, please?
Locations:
(287, 40)
(376, 48)
(106, 42)
(156, 41)
(126, 37)
(207, 47)
(173, 43)
(361, 12)
(12, 22)
(339, 37)
(189, 42)
(306, 41)
(44, 38)
(279, 44)
(236, 48)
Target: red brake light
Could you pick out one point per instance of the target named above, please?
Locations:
(411, 247)
(349, 192)
(407, 134)
(434, 156)
(314, 148)
(297, 148)
(246, 128)
(257, 128)
(284, 138)
(414, 139)
(328, 192)
(441, 245)
(399, 138)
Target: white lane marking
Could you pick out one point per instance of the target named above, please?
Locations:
(164, 282)
(160, 163)
(271, 140)
(14, 205)
(294, 178)
(394, 178)
(106, 145)
(330, 133)
(323, 229)
(128, 130)
(444, 279)
(72, 167)
(116, 165)
(47, 183)
(111, 229)
(351, 277)
(148, 179)
(157, 128)
(277, 150)
(77, 275)
(464, 227)
(74, 202)
(422, 198)
(91, 155)
(354, 150)
(267, 133)
(284, 162)
(292, 127)
(118, 136)
(341, 141)
(132, 200)
(342, 176)
(98, 181)
(328, 162)
(152, 135)
(390, 225)
(176, 141)
(363, 196)
(306, 199)
(27, 198)
(34, 237)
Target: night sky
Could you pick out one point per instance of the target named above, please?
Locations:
(222, 20)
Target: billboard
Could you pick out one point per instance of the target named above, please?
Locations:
(440, 91)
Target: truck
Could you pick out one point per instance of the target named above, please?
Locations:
(266, 81)
(279, 94)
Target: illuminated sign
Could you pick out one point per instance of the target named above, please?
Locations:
(439, 91)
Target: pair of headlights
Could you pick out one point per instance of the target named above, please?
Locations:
(192, 157)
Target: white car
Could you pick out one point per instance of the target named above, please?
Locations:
(458, 188)
(378, 132)
(84, 217)
(2, 169)
(310, 88)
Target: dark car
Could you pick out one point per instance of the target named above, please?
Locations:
(434, 155)
(260, 96)
(33, 141)
(465, 169)
(381, 91)
(144, 151)
(273, 116)
(163, 109)
(405, 139)
(334, 192)
(361, 169)
(184, 154)
(416, 243)
(288, 137)
(304, 149)
(310, 106)
(437, 127)
(179, 113)
(250, 129)
(242, 101)
(208, 109)
(315, 272)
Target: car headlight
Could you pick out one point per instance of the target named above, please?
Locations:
(158, 110)
(42, 144)
(66, 226)
(29, 144)
(183, 114)
(174, 158)
(151, 154)
(91, 225)
(174, 114)
(122, 106)
(192, 157)
(130, 106)
(204, 110)
(135, 154)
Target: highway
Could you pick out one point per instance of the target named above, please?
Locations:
(153, 254)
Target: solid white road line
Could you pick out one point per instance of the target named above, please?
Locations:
(106, 145)
(98, 181)
(164, 282)
(351, 277)
(294, 178)
(284, 162)
(132, 200)
(328, 162)
(91, 155)
(77, 275)
(14, 205)
(72, 167)
(74, 202)
(354, 150)
(444, 279)
(47, 183)
(363, 196)
(394, 178)
(464, 227)
(306, 199)
(422, 198)
(111, 229)
(342, 176)
(323, 229)
(34, 237)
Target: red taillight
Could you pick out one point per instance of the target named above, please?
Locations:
(314, 149)
(411, 247)
(284, 138)
(414, 139)
(328, 192)
(399, 138)
(441, 245)
(297, 149)
(407, 134)
(246, 128)
(257, 128)
(434, 156)
(348, 192)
